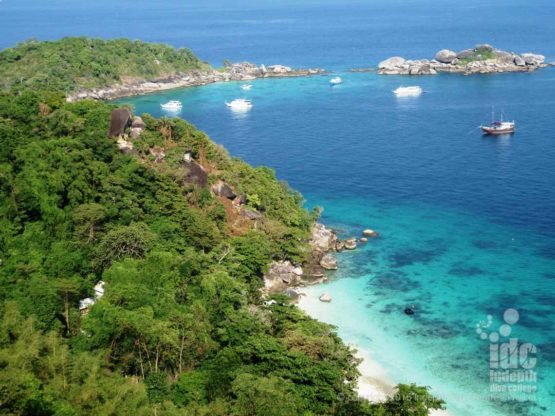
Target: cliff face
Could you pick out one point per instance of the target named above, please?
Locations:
(482, 59)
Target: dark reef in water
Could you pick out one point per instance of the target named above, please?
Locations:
(463, 270)
(409, 256)
(484, 244)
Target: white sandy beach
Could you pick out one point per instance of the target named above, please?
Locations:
(374, 383)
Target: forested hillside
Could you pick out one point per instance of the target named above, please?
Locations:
(181, 328)
(73, 63)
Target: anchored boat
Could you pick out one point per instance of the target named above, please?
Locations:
(172, 105)
(408, 91)
(239, 104)
(499, 127)
(336, 81)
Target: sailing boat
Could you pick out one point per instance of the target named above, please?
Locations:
(498, 127)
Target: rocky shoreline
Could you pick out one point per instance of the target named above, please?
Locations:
(482, 59)
(284, 276)
(244, 71)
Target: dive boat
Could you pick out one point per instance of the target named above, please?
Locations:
(246, 87)
(172, 105)
(336, 81)
(408, 91)
(499, 127)
(239, 104)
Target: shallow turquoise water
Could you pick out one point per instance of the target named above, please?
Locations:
(467, 223)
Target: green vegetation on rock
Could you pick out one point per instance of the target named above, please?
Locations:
(72, 63)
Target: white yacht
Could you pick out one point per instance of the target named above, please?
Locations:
(239, 104)
(336, 81)
(172, 105)
(408, 91)
(246, 87)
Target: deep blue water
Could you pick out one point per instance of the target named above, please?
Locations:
(467, 222)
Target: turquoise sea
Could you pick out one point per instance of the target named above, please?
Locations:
(466, 222)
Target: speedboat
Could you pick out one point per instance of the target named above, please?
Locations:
(336, 81)
(239, 104)
(172, 105)
(246, 87)
(408, 91)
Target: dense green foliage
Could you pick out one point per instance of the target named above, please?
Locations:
(70, 63)
(181, 329)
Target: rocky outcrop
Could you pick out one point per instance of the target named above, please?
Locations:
(222, 189)
(482, 59)
(195, 174)
(244, 71)
(445, 56)
(323, 239)
(370, 233)
(281, 275)
(351, 243)
(328, 261)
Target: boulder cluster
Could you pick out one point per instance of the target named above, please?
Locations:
(482, 59)
(244, 71)
(324, 245)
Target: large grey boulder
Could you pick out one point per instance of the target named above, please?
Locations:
(328, 262)
(467, 53)
(533, 59)
(281, 274)
(351, 243)
(518, 61)
(392, 63)
(323, 239)
(484, 47)
(445, 56)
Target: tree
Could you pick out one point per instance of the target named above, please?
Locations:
(133, 241)
(88, 219)
(260, 396)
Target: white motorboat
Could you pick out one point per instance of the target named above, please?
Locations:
(246, 87)
(239, 104)
(336, 81)
(172, 105)
(408, 91)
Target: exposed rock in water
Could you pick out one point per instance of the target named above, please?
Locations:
(445, 56)
(323, 239)
(370, 233)
(482, 59)
(328, 261)
(363, 239)
(391, 63)
(325, 297)
(351, 243)
(340, 245)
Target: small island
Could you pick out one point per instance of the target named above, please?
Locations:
(482, 59)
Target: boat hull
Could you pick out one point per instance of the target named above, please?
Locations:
(497, 132)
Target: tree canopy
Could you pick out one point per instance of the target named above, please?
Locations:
(181, 328)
